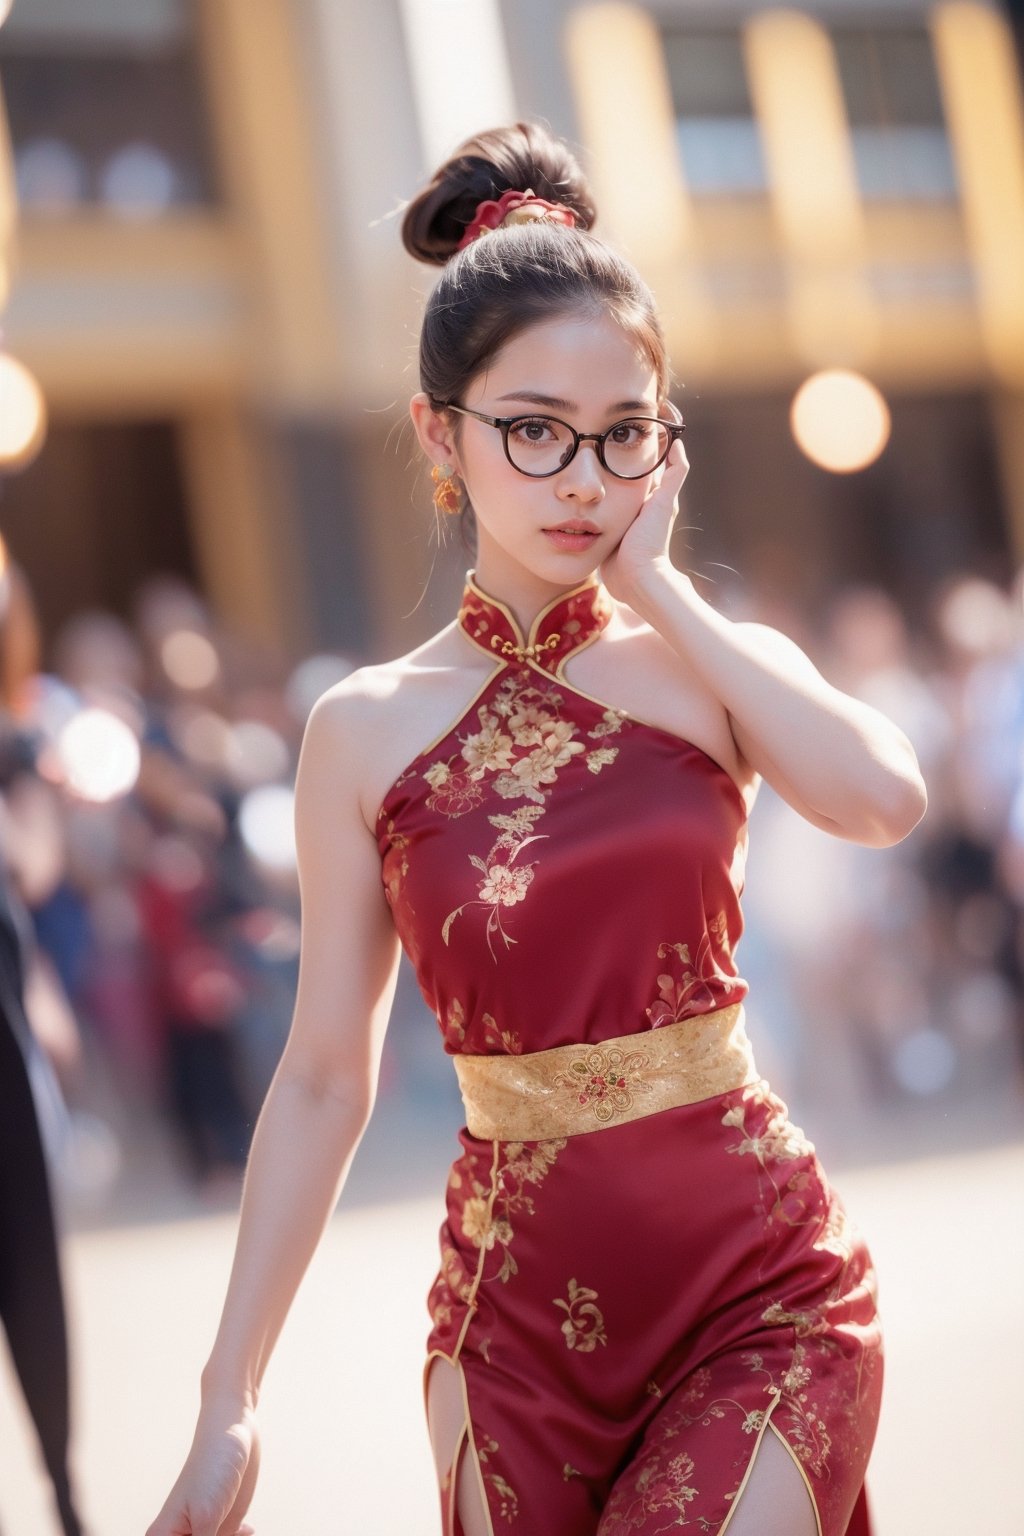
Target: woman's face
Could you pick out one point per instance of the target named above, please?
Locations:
(539, 536)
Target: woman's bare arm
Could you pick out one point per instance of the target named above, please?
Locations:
(842, 764)
(315, 1112)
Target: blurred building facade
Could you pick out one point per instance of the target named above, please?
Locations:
(206, 278)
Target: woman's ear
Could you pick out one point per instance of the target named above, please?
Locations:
(434, 431)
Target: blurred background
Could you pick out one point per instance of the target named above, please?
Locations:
(211, 509)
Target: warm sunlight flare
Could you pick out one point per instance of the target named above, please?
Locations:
(22, 414)
(840, 420)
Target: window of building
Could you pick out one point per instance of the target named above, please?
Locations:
(894, 107)
(106, 108)
(718, 135)
(891, 92)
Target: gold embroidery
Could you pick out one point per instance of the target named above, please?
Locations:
(487, 1212)
(525, 652)
(584, 1323)
(606, 1080)
(400, 843)
(806, 1431)
(610, 724)
(505, 1494)
(525, 1097)
(600, 757)
(690, 991)
(517, 753)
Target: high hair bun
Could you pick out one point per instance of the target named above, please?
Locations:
(520, 158)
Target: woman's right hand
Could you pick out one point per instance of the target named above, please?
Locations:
(215, 1486)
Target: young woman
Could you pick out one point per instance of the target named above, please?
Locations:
(651, 1311)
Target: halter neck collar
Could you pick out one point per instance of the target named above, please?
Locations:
(573, 621)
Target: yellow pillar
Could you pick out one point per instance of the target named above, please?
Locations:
(8, 204)
(978, 74)
(260, 99)
(247, 562)
(797, 94)
(623, 99)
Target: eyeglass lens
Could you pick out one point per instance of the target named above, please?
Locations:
(539, 445)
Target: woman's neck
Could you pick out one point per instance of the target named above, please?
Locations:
(521, 591)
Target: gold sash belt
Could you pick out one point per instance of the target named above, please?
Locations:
(575, 1088)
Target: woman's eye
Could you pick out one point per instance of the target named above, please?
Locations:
(628, 434)
(536, 429)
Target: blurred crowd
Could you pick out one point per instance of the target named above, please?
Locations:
(146, 826)
(898, 975)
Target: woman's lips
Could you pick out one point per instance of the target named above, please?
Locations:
(572, 535)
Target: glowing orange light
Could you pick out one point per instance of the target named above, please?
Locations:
(840, 420)
(22, 414)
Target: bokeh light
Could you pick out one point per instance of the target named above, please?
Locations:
(924, 1062)
(189, 659)
(257, 753)
(266, 820)
(22, 414)
(840, 420)
(201, 735)
(100, 755)
(311, 678)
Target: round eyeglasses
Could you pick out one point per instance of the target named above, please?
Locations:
(542, 445)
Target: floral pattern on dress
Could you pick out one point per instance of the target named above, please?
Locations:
(487, 1218)
(583, 1328)
(495, 1039)
(666, 1479)
(505, 1500)
(397, 871)
(683, 989)
(663, 1486)
(522, 745)
(794, 1192)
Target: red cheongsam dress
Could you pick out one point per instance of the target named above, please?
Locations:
(633, 1304)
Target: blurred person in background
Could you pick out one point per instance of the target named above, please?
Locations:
(643, 1269)
(970, 856)
(31, 1293)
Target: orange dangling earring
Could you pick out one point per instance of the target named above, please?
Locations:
(447, 496)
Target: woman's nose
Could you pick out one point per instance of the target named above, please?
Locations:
(583, 476)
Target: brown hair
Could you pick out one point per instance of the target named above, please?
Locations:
(515, 277)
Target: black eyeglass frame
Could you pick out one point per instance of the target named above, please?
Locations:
(505, 424)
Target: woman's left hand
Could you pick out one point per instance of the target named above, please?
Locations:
(644, 545)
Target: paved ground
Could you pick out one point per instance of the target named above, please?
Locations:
(345, 1447)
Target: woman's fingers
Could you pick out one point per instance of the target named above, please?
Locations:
(677, 467)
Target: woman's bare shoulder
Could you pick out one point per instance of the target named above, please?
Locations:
(369, 695)
(380, 717)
